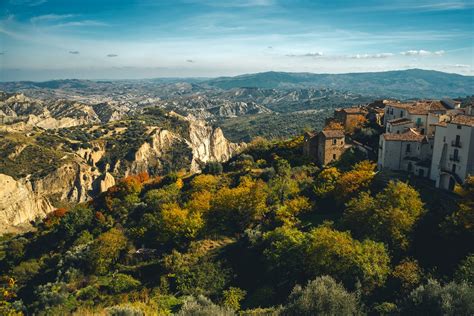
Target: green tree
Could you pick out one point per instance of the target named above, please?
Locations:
(332, 252)
(235, 209)
(106, 250)
(232, 298)
(322, 296)
(434, 298)
(326, 181)
(465, 270)
(389, 216)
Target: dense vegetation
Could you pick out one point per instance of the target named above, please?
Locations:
(268, 233)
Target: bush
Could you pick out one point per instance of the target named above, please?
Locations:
(434, 298)
(202, 306)
(322, 296)
(122, 283)
(124, 310)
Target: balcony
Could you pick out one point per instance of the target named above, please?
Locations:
(454, 158)
(456, 144)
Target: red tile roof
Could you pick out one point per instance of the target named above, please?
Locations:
(410, 136)
(463, 120)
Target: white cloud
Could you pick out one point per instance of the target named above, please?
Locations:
(315, 54)
(422, 53)
(50, 17)
(372, 56)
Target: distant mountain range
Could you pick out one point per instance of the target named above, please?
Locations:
(402, 84)
(413, 83)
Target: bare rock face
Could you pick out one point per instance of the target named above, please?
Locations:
(78, 179)
(19, 204)
(209, 144)
(149, 154)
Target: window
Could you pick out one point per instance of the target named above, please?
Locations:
(459, 126)
(391, 111)
(334, 141)
(408, 148)
(456, 154)
(401, 113)
(334, 156)
(418, 121)
(444, 139)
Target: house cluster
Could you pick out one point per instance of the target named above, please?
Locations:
(329, 144)
(429, 138)
(432, 139)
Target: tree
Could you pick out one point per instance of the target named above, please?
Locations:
(106, 250)
(462, 220)
(389, 217)
(284, 253)
(351, 182)
(465, 270)
(179, 223)
(322, 296)
(288, 212)
(75, 221)
(328, 251)
(234, 209)
(232, 298)
(326, 181)
(408, 274)
(434, 298)
(282, 186)
(204, 182)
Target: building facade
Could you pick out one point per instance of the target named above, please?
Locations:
(408, 151)
(326, 146)
(453, 154)
(351, 118)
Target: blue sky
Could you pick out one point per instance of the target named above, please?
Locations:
(100, 39)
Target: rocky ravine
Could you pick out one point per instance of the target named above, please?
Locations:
(79, 179)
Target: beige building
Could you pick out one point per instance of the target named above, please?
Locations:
(453, 154)
(326, 146)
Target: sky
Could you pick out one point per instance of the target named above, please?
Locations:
(132, 39)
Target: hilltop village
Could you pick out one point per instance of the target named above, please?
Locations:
(431, 139)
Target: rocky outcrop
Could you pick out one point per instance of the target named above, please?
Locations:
(209, 144)
(80, 178)
(19, 204)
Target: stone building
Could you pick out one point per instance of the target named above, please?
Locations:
(351, 118)
(326, 146)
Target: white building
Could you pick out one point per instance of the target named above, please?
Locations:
(422, 114)
(409, 151)
(453, 154)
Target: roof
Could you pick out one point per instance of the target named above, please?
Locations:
(333, 133)
(400, 121)
(463, 119)
(421, 107)
(354, 110)
(409, 136)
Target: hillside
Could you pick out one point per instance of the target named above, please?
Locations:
(241, 238)
(404, 84)
(42, 169)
